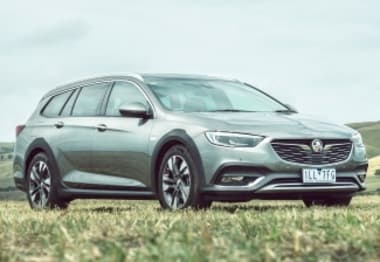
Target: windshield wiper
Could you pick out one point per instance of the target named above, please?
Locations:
(229, 110)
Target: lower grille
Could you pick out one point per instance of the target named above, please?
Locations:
(299, 180)
(301, 152)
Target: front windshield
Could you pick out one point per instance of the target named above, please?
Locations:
(198, 95)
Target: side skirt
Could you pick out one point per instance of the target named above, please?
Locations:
(71, 193)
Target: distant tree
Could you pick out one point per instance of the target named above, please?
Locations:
(1, 157)
(10, 156)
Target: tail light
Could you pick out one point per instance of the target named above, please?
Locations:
(19, 129)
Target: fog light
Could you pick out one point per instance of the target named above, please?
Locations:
(362, 175)
(232, 179)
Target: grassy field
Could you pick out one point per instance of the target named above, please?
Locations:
(141, 231)
(6, 176)
(374, 166)
(6, 148)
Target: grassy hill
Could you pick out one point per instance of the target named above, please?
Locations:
(6, 179)
(6, 147)
(374, 166)
(371, 136)
(7, 186)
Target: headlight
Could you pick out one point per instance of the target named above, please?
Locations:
(233, 139)
(357, 140)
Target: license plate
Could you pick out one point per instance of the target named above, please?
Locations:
(318, 176)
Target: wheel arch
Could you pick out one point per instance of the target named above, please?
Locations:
(39, 145)
(178, 136)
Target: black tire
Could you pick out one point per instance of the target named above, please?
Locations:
(194, 199)
(52, 201)
(342, 201)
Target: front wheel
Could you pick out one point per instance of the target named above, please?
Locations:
(332, 201)
(179, 182)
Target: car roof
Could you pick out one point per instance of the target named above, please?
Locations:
(130, 76)
(182, 76)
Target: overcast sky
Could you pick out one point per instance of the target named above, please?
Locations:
(323, 57)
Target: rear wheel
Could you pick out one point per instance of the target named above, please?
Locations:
(42, 184)
(179, 181)
(332, 201)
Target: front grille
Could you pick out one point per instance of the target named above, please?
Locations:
(300, 151)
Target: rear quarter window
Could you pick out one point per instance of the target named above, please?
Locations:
(66, 111)
(55, 105)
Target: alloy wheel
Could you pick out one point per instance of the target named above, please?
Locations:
(176, 182)
(39, 184)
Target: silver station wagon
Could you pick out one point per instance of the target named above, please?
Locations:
(183, 140)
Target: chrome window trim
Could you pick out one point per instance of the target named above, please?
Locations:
(50, 98)
(80, 91)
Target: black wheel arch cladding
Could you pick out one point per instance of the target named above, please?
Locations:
(178, 136)
(39, 145)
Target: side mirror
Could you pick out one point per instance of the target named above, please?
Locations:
(291, 108)
(136, 109)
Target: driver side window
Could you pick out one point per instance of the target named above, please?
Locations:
(123, 93)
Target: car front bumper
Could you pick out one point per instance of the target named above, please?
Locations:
(270, 177)
(284, 186)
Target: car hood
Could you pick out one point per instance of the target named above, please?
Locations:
(280, 125)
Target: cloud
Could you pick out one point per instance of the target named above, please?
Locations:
(321, 57)
(58, 35)
(48, 36)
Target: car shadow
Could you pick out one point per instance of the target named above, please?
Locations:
(261, 208)
(104, 209)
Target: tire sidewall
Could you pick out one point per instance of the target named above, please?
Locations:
(194, 195)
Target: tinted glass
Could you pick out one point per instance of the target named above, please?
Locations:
(123, 93)
(69, 104)
(89, 100)
(55, 105)
(197, 95)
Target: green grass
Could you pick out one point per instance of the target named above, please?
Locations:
(141, 231)
(374, 166)
(371, 136)
(373, 184)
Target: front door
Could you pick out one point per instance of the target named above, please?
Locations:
(121, 143)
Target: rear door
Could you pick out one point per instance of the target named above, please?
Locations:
(121, 147)
(76, 127)
(51, 127)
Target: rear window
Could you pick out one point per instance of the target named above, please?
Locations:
(54, 106)
(89, 100)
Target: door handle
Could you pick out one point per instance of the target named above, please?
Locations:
(101, 128)
(59, 124)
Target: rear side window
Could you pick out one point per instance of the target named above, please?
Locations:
(54, 107)
(89, 100)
